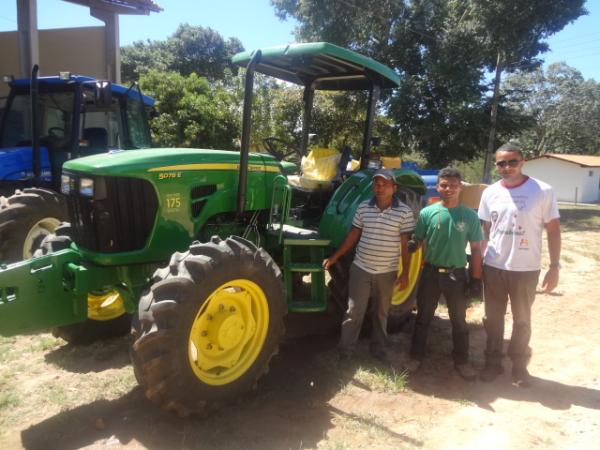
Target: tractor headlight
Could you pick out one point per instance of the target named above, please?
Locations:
(86, 187)
(65, 184)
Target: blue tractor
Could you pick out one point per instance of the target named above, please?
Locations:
(47, 121)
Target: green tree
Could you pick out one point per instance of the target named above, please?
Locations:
(443, 50)
(563, 106)
(513, 34)
(193, 112)
(439, 109)
(191, 49)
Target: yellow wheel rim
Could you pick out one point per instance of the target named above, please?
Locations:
(400, 296)
(228, 332)
(106, 306)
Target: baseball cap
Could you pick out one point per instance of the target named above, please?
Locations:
(388, 174)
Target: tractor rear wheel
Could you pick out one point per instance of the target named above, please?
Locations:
(107, 317)
(209, 325)
(26, 218)
(405, 301)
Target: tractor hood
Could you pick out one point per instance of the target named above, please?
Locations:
(141, 162)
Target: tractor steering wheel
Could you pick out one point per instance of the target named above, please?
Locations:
(56, 132)
(272, 145)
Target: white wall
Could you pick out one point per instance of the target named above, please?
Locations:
(567, 179)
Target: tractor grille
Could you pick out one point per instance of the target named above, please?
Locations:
(118, 218)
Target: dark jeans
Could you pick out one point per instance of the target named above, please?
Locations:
(431, 286)
(498, 286)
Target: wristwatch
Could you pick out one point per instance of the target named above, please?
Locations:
(555, 265)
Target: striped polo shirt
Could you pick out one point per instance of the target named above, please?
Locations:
(378, 249)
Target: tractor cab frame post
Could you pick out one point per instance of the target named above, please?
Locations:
(309, 96)
(366, 150)
(246, 128)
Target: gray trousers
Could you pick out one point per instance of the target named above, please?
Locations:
(498, 287)
(362, 286)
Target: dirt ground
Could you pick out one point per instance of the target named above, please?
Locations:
(54, 395)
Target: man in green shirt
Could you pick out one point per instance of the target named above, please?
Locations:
(445, 228)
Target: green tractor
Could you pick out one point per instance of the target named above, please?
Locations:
(207, 249)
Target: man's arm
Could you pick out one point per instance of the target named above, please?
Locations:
(476, 260)
(554, 244)
(402, 280)
(349, 242)
(485, 226)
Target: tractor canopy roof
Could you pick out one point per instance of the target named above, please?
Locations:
(80, 79)
(326, 65)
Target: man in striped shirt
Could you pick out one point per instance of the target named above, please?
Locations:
(381, 227)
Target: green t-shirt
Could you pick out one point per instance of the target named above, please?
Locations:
(446, 232)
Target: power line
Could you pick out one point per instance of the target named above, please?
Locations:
(8, 19)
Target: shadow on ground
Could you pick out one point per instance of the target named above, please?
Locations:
(96, 357)
(290, 409)
(433, 379)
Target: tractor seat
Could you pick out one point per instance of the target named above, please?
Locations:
(319, 169)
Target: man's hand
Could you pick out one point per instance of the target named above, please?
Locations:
(412, 245)
(402, 281)
(328, 262)
(474, 288)
(550, 280)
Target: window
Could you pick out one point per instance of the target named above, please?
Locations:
(55, 119)
(137, 125)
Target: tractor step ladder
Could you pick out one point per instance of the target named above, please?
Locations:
(303, 252)
(301, 257)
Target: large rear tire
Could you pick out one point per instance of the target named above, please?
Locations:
(26, 218)
(209, 325)
(107, 317)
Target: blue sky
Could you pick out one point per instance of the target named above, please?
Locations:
(255, 24)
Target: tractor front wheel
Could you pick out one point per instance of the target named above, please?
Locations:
(209, 325)
(107, 317)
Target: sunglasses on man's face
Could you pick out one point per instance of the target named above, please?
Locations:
(509, 163)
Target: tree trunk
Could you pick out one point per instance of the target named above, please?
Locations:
(489, 155)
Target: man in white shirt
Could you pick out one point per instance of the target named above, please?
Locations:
(514, 213)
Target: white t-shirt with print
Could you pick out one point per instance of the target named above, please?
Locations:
(517, 216)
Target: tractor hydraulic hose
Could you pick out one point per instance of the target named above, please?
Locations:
(246, 125)
(35, 136)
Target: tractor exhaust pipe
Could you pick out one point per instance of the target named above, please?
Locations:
(34, 90)
(246, 126)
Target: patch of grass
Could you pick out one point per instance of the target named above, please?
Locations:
(384, 380)
(116, 385)
(7, 350)
(580, 218)
(8, 397)
(45, 342)
(335, 445)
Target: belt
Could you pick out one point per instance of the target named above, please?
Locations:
(441, 269)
